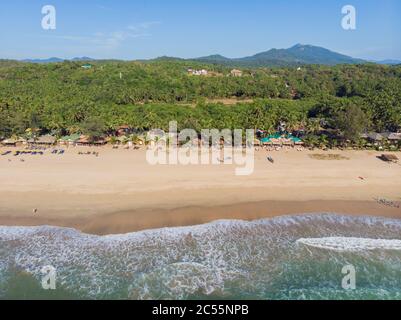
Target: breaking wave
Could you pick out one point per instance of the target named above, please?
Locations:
(351, 244)
(224, 259)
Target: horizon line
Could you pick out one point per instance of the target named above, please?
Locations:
(193, 58)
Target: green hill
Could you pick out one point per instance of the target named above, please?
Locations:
(296, 55)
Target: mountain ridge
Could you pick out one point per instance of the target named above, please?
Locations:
(56, 59)
(299, 54)
(296, 55)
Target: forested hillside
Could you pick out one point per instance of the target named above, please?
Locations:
(297, 55)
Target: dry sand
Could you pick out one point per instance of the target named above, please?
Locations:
(120, 192)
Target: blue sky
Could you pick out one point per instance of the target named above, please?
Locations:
(137, 29)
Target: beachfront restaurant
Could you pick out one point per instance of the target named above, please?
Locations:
(278, 140)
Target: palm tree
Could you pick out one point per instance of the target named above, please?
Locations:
(313, 125)
(291, 122)
(311, 141)
(134, 138)
(113, 140)
(323, 141)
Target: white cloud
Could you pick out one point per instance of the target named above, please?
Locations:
(112, 40)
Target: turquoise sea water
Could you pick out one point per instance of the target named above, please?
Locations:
(221, 260)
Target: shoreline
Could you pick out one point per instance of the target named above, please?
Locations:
(156, 218)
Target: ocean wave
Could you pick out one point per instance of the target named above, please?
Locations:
(224, 259)
(351, 244)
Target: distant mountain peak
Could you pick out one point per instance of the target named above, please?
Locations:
(56, 59)
(214, 57)
(296, 55)
(298, 45)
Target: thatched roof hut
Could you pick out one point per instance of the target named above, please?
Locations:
(87, 141)
(394, 136)
(44, 140)
(99, 142)
(13, 142)
(374, 136)
(9, 142)
(83, 140)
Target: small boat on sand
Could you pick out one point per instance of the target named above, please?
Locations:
(270, 159)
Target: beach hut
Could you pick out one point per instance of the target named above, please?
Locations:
(276, 142)
(99, 142)
(83, 141)
(13, 142)
(298, 142)
(287, 142)
(69, 140)
(87, 141)
(46, 140)
(9, 142)
(270, 139)
(375, 137)
(394, 137)
(266, 141)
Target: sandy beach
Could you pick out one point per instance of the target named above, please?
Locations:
(120, 192)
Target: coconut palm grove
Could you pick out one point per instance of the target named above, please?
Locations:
(326, 105)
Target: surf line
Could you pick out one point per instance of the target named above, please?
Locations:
(351, 244)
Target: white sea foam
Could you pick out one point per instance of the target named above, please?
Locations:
(175, 263)
(351, 244)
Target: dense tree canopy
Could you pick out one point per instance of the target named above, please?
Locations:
(65, 98)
